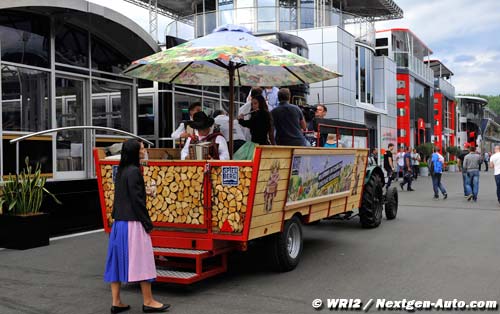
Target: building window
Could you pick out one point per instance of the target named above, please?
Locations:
(401, 84)
(401, 112)
(106, 58)
(380, 42)
(288, 15)
(401, 132)
(401, 98)
(72, 45)
(364, 75)
(145, 115)
(306, 14)
(25, 38)
(111, 105)
(25, 99)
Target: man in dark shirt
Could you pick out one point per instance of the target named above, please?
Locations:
(288, 121)
(461, 158)
(388, 164)
(407, 171)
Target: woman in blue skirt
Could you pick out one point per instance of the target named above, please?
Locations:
(130, 253)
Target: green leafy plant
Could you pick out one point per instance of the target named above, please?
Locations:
(423, 164)
(425, 150)
(453, 150)
(23, 193)
(452, 162)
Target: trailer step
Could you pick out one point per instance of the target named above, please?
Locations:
(178, 252)
(165, 274)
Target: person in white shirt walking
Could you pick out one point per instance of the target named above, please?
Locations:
(400, 161)
(495, 164)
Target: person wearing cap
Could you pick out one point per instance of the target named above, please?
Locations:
(203, 124)
(461, 157)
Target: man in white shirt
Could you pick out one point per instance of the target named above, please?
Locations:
(270, 93)
(203, 124)
(222, 120)
(495, 164)
(400, 161)
(184, 131)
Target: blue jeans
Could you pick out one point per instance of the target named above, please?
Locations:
(464, 179)
(436, 184)
(497, 180)
(472, 186)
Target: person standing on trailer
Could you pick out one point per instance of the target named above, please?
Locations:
(184, 130)
(130, 252)
(289, 122)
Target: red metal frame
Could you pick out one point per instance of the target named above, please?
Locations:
(337, 129)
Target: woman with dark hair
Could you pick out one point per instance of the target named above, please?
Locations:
(130, 252)
(260, 123)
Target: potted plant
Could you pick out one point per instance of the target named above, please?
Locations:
(425, 150)
(22, 225)
(424, 169)
(452, 166)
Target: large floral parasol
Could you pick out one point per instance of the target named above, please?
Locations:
(229, 56)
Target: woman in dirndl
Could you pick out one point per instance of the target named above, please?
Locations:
(130, 253)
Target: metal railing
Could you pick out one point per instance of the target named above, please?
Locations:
(264, 19)
(69, 128)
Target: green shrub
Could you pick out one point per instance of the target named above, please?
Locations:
(423, 164)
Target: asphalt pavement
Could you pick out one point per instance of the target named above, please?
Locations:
(445, 249)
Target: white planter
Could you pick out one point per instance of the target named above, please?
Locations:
(452, 168)
(424, 171)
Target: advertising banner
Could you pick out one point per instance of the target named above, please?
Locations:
(320, 175)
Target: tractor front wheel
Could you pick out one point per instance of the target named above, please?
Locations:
(391, 203)
(370, 213)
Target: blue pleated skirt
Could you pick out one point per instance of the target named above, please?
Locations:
(130, 254)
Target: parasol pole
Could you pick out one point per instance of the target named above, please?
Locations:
(231, 69)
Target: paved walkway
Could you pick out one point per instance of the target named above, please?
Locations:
(446, 248)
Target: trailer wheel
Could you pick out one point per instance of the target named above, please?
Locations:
(391, 205)
(286, 246)
(370, 213)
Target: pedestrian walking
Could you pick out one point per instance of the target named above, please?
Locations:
(389, 164)
(372, 158)
(461, 157)
(437, 166)
(472, 163)
(400, 161)
(415, 162)
(130, 252)
(486, 159)
(407, 171)
(495, 164)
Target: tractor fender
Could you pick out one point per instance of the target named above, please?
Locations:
(373, 170)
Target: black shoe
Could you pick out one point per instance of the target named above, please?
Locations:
(119, 309)
(410, 189)
(445, 196)
(469, 197)
(150, 309)
(401, 185)
(436, 197)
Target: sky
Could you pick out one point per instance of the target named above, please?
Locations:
(463, 34)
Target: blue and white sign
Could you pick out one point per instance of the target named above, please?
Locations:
(230, 176)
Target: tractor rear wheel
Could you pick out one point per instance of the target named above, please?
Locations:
(370, 213)
(391, 203)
